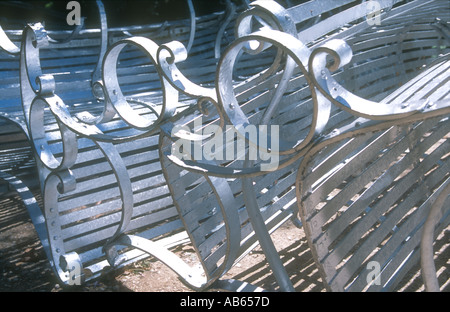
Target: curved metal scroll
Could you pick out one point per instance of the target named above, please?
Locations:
(7, 45)
(267, 15)
(58, 182)
(33, 83)
(341, 53)
(38, 96)
(174, 52)
(255, 43)
(115, 97)
(72, 35)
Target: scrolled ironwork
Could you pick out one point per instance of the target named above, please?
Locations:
(7, 45)
(56, 183)
(338, 95)
(297, 54)
(114, 93)
(168, 55)
(39, 99)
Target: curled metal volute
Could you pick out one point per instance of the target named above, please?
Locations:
(108, 111)
(7, 45)
(202, 106)
(168, 55)
(269, 14)
(172, 52)
(339, 96)
(338, 49)
(39, 38)
(114, 93)
(55, 183)
(225, 88)
(46, 84)
(39, 137)
(72, 264)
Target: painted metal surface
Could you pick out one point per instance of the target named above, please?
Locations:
(98, 190)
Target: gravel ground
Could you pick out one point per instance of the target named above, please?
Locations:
(24, 267)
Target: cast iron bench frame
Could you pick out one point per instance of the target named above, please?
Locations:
(366, 117)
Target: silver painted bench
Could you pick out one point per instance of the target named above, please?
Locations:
(87, 183)
(124, 185)
(359, 173)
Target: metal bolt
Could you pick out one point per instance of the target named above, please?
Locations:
(335, 132)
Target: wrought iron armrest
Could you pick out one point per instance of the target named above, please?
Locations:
(38, 97)
(228, 106)
(341, 55)
(7, 45)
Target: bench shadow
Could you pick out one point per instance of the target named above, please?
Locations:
(24, 266)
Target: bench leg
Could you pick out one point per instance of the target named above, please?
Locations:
(189, 275)
(266, 242)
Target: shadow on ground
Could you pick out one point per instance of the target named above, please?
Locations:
(24, 266)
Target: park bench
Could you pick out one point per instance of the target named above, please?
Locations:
(117, 190)
(75, 65)
(359, 173)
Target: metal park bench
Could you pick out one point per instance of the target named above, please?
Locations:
(163, 160)
(361, 174)
(106, 176)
